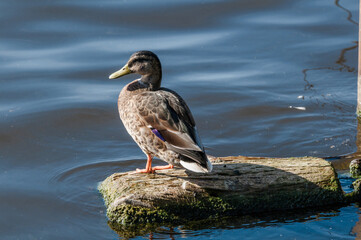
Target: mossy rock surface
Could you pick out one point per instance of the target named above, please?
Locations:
(355, 168)
(237, 186)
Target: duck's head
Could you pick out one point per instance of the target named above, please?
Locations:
(146, 64)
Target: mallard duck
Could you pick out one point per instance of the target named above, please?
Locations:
(158, 119)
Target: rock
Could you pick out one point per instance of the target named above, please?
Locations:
(355, 168)
(237, 186)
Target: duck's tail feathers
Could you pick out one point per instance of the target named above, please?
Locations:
(195, 166)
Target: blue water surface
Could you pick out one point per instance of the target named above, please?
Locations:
(262, 78)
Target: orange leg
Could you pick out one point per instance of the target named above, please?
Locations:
(162, 167)
(149, 169)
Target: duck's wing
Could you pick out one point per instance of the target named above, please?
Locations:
(169, 117)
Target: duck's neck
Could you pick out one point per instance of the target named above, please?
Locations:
(153, 80)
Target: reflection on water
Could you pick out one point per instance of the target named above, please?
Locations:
(349, 13)
(330, 98)
(261, 225)
(238, 64)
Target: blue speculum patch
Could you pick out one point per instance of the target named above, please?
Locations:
(157, 133)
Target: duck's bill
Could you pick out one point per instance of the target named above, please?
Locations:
(121, 72)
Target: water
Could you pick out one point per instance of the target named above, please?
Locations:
(244, 67)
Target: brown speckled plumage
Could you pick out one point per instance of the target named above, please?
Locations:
(145, 107)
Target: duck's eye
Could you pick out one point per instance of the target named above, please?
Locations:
(144, 66)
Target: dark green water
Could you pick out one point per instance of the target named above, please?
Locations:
(244, 67)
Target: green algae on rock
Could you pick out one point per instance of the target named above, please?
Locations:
(237, 186)
(355, 168)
